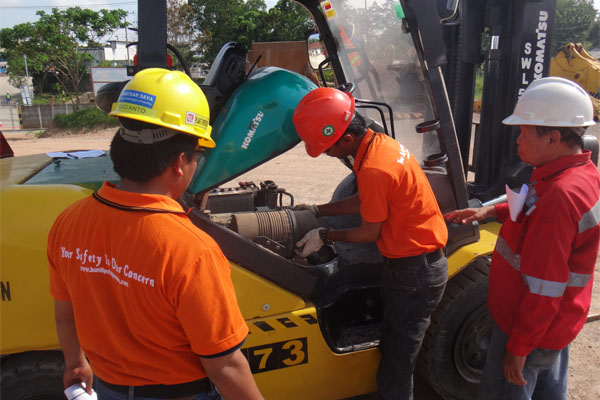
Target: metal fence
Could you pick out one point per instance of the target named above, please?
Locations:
(9, 117)
(18, 116)
(42, 116)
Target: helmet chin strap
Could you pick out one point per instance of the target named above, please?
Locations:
(147, 136)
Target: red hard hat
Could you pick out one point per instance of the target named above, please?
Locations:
(322, 117)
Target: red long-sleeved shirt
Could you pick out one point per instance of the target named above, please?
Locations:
(542, 268)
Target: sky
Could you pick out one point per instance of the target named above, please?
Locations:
(13, 12)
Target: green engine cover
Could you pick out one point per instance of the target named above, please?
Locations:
(254, 126)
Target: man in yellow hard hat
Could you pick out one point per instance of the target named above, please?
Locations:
(139, 291)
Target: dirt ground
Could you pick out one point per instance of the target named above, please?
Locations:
(313, 181)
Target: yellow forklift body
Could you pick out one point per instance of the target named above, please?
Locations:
(258, 297)
(24, 273)
(285, 348)
(294, 339)
(284, 331)
(465, 255)
(15, 170)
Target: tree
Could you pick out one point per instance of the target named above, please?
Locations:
(573, 22)
(181, 32)
(594, 34)
(59, 43)
(14, 40)
(222, 21)
(287, 21)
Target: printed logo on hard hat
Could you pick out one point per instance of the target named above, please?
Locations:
(137, 97)
(136, 102)
(199, 121)
(328, 130)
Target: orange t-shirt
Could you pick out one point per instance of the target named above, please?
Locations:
(393, 189)
(150, 291)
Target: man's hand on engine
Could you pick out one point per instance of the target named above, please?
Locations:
(310, 243)
(309, 207)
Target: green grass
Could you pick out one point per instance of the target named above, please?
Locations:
(54, 98)
(47, 98)
(87, 118)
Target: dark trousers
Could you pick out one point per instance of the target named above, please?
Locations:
(411, 289)
(104, 392)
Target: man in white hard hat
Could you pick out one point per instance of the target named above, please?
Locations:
(542, 269)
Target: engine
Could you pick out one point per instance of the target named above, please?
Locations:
(264, 214)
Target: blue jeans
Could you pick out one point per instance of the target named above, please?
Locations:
(545, 372)
(410, 294)
(105, 393)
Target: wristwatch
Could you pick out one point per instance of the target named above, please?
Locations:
(323, 235)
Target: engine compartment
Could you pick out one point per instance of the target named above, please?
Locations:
(256, 227)
(263, 214)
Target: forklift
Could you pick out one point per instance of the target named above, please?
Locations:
(314, 323)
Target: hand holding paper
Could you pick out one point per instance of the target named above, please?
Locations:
(516, 200)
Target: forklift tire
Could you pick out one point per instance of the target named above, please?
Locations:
(32, 376)
(455, 346)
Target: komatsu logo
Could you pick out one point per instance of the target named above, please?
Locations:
(253, 127)
(540, 52)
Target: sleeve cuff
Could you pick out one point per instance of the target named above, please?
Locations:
(518, 349)
(224, 353)
(501, 212)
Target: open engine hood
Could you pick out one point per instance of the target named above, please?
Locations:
(254, 126)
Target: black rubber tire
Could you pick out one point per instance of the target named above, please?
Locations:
(455, 345)
(32, 376)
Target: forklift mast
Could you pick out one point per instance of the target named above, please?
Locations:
(152, 35)
(520, 37)
(447, 37)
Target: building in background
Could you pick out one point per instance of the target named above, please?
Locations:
(115, 53)
(2, 63)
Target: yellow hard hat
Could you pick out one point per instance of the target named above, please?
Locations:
(169, 99)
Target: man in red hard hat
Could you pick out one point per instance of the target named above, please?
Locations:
(398, 211)
(542, 269)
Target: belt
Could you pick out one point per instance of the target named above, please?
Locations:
(430, 258)
(163, 391)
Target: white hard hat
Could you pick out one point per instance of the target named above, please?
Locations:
(555, 102)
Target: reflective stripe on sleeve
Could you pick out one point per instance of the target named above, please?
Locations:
(578, 280)
(591, 218)
(506, 252)
(555, 289)
(536, 285)
(544, 287)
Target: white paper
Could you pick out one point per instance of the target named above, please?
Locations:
(516, 201)
(77, 154)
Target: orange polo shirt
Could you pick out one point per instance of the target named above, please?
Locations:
(393, 189)
(151, 292)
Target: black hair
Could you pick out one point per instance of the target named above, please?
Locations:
(143, 162)
(571, 136)
(358, 125)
